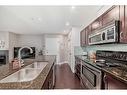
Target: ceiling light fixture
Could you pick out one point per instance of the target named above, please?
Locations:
(73, 7)
(67, 23)
(39, 19)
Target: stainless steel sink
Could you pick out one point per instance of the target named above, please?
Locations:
(37, 65)
(28, 73)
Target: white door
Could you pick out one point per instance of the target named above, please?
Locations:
(51, 47)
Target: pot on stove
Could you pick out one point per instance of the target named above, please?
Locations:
(100, 61)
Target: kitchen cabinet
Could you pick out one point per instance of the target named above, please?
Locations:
(87, 32)
(123, 25)
(123, 35)
(82, 37)
(117, 12)
(96, 24)
(78, 67)
(111, 83)
(48, 84)
(111, 15)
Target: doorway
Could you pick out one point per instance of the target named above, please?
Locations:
(52, 46)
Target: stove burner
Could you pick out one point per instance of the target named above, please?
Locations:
(101, 64)
(106, 64)
(111, 65)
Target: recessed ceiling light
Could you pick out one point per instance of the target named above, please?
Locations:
(36, 19)
(73, 7)
(39, 19)
(64, 31)
(67, 23)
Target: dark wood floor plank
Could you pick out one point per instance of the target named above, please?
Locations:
(65, 79)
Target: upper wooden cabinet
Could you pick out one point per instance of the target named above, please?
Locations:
(82, 37)
(114, 13)
(87, 32)
(123, 19)
(111, 15)
(124, 34)
(96, 24)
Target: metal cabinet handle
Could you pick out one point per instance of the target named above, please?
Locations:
(50, 84)
(105, 81)
(121, 34)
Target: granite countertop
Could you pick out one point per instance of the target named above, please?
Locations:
(37, 83)
(88, 61)
(116, 72)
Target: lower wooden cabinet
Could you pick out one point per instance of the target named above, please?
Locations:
(49, 82)
(112, 83)
(78, 67)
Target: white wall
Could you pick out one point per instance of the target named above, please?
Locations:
(75, 41)
(4, 36)
(31, 41)
(67, 45)
(63, 49)
(13, 42)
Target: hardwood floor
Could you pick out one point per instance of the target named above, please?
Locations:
(65, 79)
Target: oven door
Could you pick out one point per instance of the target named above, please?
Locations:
(91, 77)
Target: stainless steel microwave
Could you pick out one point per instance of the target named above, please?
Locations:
(107, 34)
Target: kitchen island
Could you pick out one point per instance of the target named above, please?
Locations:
(43, 81)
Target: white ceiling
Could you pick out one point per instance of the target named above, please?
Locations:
(44, 19)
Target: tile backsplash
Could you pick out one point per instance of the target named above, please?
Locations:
(110, 47)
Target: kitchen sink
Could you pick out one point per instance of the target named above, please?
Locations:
(28, 73)
(37, 65)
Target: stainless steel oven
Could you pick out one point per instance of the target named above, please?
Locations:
(107, 34)
(91, 76)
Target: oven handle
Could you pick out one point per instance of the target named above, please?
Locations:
(92, 69)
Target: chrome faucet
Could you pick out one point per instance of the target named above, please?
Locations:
(19, 54)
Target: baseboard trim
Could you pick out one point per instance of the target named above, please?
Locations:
(63, 62)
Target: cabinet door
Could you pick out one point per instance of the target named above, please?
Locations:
(112, 83)
(78, 67)
(111, 14)
(82, 36)
(87, 30)
(123, 35)
(48, 84)
(96, 24)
